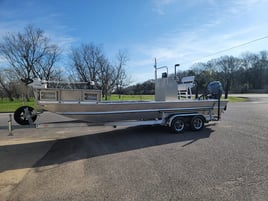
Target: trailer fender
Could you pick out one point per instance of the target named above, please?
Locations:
(170, 118)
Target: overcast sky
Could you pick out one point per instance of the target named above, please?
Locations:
(172, 31)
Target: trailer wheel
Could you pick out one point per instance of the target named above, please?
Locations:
(22, 115)
(178, 125)
(197, 123)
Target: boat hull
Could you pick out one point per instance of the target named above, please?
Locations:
(101, 112)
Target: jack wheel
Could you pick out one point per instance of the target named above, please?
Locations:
(23, 114)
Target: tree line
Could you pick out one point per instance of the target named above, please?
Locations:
(247, 73)
(31, 54)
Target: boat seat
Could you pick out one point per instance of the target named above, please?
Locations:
(185, 86)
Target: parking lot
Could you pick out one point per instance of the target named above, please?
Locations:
(227, 160)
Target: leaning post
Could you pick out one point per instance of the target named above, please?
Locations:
(10, 126)
(219, 104)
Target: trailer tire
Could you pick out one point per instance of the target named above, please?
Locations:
(178, 125)
(20, 115)
(197, 123)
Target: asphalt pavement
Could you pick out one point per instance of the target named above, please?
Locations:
(227, 160)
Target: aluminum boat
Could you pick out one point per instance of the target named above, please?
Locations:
(172, 98)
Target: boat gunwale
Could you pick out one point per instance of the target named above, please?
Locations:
(138, 111)
(124, 102)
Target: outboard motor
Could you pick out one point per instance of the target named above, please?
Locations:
(214, 90)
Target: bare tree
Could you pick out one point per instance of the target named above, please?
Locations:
(45, 69)
(107, 77)
(260, 70)
(228, 65)
(121, 76)
(248, 61)
(30, 53)
(113, 76)
(5, 87)
(90, 64)
(86, 62)
(8, 83)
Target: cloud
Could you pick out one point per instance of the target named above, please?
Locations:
(249, 3)
(202, 43)
(225, 24)
(159, 6)
(222, 31)
(15, 19)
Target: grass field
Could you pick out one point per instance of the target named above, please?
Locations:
(11, 106)
(237, 99)
(8, 106)
(115, 97)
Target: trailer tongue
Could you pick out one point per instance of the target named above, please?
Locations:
(173, 106)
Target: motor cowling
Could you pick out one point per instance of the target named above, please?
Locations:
(214, 89)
